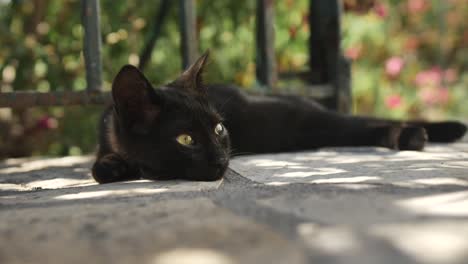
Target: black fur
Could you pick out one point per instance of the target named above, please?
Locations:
(137, 133)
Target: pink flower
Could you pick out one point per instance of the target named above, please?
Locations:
(381, 10)
(417, 6)
(412, 43)
(435, 96)
(47, 123)
(393, 101)
(354, 52)
(394, 66)
(443, 95)
(428, 96)
(450, 75)
(432, 77)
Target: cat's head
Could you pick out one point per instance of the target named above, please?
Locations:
(172, 131)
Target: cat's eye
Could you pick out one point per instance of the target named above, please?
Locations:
(219, 129)
(185, 140)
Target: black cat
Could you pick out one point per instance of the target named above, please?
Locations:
(181, 129)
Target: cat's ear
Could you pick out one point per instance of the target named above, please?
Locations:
(135, 101)
(192, 78)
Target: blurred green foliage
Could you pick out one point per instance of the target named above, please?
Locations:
(409, 57)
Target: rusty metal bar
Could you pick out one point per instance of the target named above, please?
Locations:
(188, 31)
(265, 39)
(145, 55)
(32, 99)
(327, 64)
(92, 43)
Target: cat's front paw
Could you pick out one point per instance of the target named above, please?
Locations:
(113, 168)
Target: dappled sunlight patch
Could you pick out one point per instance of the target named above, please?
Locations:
(57, 183)
(346, 180)
(271, 163)
(434, 147)
(110, 193)
(10, 197)
(90, 190)
(313, 172)
(192, 256)
(17, 161)
(11, 187)
(351, 183)
(353, 159)
(355, 186)
(399, 168)
(81, 170)
(447, 204)
(428, 242)
(441, 181)
(276, 183)
(407, 184)
(359, 155)
(34, 165)
(424, 169)
(425, 165)
(425, 182)
(329, 240)
(319, 155)
(373, 165)
(461, 164)
(426, 155)
(138, 188)
(337, 157)
(131, 182)
(298, 167)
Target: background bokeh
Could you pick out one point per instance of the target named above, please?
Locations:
(410, 58)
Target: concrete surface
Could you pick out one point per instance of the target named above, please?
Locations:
(342, 205)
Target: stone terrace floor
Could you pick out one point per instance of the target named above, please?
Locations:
(340, 205)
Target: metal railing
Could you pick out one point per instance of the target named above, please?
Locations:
(92, 56)
(328, 72)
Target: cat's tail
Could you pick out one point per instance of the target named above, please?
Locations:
(443, 132)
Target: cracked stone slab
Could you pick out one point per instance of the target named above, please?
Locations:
(139, 231)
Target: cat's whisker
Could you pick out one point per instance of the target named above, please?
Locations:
(236, 154)
(220, 182)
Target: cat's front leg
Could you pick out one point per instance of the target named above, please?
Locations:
(113, 168)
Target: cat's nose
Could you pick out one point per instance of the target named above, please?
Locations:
(219, 163)
(220, 167)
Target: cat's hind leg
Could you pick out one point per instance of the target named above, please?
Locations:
(112, 168)
(367, 131)
(412, 138)
(404, 137)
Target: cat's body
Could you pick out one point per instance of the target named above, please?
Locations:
(176, 131)
(265, 124)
